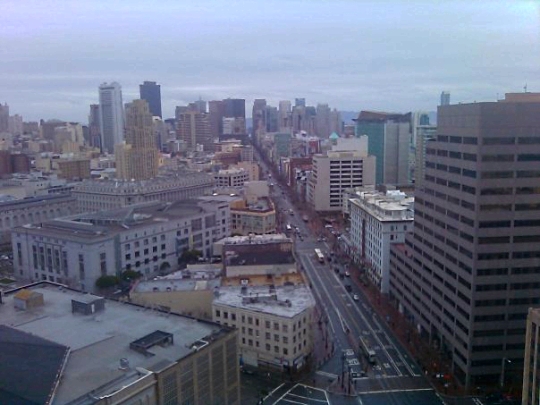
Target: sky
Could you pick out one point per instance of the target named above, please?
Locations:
(388, 55)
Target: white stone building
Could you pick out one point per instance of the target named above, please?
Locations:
(377, 221)
(77, 250)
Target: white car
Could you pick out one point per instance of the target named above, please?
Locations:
(347, 274)
(355, 297)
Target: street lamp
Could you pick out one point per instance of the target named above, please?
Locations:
(503, 365)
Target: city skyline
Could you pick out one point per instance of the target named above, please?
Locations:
(395, 56)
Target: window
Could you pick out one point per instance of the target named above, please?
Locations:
(499, 141)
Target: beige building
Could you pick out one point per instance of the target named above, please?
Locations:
(137, 158)
(531, 371)
(94, 351)
(72, 169)
(274, 323)
(333, 173)
(194, 129)
(257, 217)
(252, 169)
(231, 177)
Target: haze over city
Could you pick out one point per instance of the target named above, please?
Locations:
(391, 55)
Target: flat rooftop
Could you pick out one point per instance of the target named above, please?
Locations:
(98, 342)
(186, 284)
(290, 300)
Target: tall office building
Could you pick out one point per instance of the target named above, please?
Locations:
(468, 273)
(531, 369)
(272, 119)
(194, 129)
(94, 126)
(216, 112)
(285, 121)
(137, 158)
(259, 116)
(200, 105)
(322, 121)
(111, 111)
(234, 108)
(299, 102)
(4, 117)
(389, 141)
(151, 92)
(336, 123)
(445, 98)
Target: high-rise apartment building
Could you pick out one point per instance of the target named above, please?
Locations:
(194, 129)
(468, 273)
(111, 112)
(137, 158)
(151, 92)
(389, 141)
(4, 117)
(445, 98)
(216, 112)
(531, 370)
(336, 171)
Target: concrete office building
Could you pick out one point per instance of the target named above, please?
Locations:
(469, 272)
(4, 117)
(216, 112)
(379, 220)
(322, 121)
(79, 249)
(94, 126)
(74, 348)
(274, 323)
(285, 121)
(194, 129)
(111, 112)
(151, 92)
(424, 133)
(137, 158)
(389, 141)
(99, 195)
(335, 172)
(258, 115)
(234, 108)
(256, 217)
(531, 370)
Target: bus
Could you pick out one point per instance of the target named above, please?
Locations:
(320, 256)
(368, 352)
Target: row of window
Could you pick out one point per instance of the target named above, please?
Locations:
(510, 140)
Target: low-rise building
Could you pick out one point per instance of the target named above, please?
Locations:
(100, 195)
(258, 217)
(77, 250)
(74, 348)
(231, 177)
(274, 323)
(379, 220)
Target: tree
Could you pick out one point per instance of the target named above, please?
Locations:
(190, 256)
(129, 275)
(107, 282)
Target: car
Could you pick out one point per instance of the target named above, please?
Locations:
(347, 274)
(336, 269)
(355, 297)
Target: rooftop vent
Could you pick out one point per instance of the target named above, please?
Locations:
(157, 337)
(87, 304)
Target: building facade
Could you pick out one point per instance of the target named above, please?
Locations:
(100, 195)
(231, 178)
(194, 129)
(111, 112)
(531, 370)
(379, 220)
(258, 218)
(151, 92)
(78, 250)
(468, 273)
(274, 324)
(333, 173)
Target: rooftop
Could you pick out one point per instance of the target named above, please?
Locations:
(183, 284)
(255, 239)
(286, 301)
(97, 342)
(393, 205)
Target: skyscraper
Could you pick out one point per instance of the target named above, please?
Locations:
(259, 115)
(151, 92)
(445, 98)
(138, 157)
(468, 273)
(285, 121)
(322, 121)
(194, 129)
(111, 111)
(216, 112)
(4, 117)
(299, 102)
(234, 108)
(389, 141)
(94, 126)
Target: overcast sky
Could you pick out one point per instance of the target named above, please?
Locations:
(352, 54)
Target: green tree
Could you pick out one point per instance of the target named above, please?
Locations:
(129, 275)
(107, 282)
(190, 256)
